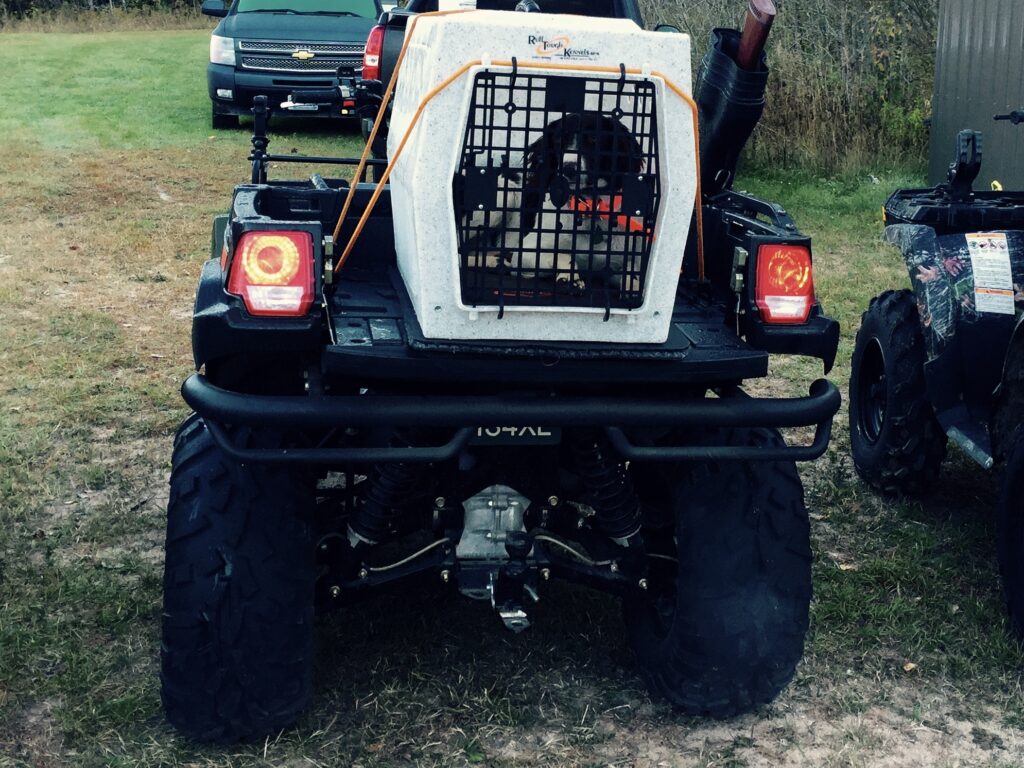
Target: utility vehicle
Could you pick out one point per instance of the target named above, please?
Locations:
(414, 394)
(944, 360)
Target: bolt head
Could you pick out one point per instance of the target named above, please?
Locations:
(363, 573)
(545, 574)
(335, 592)
(440, 502)
(554, 501)
(446, 576)
(643, 584)
(614, 568)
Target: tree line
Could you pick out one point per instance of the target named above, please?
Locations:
(851, 83)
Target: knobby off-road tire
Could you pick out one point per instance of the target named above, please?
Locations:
(238, 593)
(729, 637)
(898, 445)
(1010, 533)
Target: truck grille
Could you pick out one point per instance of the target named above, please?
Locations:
(558, 191)
(325, 49)
(276, 56)
(287, 64)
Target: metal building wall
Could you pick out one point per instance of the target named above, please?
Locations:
(980, 73)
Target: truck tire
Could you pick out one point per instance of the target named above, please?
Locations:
(897, 443)
(221, 121)
(238, 593)
(728, 635)
(1010, 536)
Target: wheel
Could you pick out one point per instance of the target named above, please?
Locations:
(723, 628)
(238, 593)
(898, 445)
(222, 121)
(1010, 536)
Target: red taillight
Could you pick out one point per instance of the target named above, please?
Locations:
(371, 57)
(273, 273)
(785, 284)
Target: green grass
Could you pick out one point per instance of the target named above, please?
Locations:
(97, 270)
(115, 89)
(119, 90)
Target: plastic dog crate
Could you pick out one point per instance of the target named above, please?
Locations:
(546, 192)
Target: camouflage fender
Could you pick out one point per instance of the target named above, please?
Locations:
(942, 275)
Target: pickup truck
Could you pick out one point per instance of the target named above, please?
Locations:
(345, 440)
(272, 47)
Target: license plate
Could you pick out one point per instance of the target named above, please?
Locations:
(517, 436)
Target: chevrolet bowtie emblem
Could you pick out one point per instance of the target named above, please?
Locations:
(303, 55)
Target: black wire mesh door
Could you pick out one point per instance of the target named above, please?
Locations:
(557, 191)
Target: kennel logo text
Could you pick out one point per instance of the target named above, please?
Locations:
(560, 47)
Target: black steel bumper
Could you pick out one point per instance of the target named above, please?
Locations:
(245, 85)
(463, 415)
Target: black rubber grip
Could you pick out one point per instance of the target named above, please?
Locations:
(1014, 117)
(316, 96)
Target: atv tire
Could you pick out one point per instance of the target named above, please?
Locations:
(1010, 533)
(897, 443)
(238, 592)
(727, 637)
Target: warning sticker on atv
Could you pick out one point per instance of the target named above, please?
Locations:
(993, 277)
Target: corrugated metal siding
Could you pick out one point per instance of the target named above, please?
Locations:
(980, 73)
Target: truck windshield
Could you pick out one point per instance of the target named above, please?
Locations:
(366, 9)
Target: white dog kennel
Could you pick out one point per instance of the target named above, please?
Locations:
(546, 187)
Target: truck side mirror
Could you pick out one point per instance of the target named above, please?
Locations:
(668, 28)
(214, 8)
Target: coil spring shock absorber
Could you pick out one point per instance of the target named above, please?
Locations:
(389, 486)
(611, 490)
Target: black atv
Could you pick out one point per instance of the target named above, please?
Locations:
(335, 450)
(945, 360)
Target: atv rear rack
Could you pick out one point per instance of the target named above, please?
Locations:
(317, 412)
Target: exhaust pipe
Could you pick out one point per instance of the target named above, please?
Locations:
(731, 86)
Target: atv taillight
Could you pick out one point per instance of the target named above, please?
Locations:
(785, 284)
(273, 273)
(371, 57)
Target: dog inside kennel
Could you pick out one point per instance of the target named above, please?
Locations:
(557, 191)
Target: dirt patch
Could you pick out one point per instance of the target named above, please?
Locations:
(35, 738)
(792, 734)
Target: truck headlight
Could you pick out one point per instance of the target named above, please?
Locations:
(222, 50)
